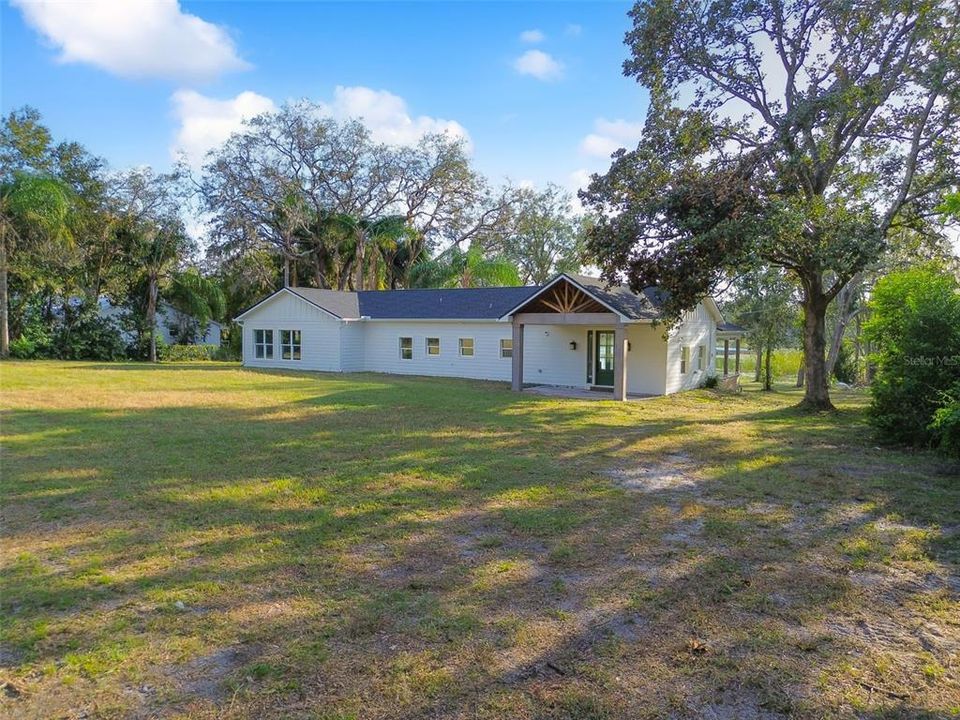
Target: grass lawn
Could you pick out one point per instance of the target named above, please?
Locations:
(205, 541)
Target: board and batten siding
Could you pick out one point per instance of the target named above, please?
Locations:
(697, 328)
(319, 340)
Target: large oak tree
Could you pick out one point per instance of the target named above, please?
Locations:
(792, 133)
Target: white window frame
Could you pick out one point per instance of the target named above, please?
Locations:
(684, 359)
(462, 348)
(263, 349)
(504, 343)
(409, 347)
(295, 349)
(426, 345)
(701, 357)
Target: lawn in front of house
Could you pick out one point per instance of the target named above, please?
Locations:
(201, 540)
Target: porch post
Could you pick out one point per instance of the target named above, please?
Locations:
(726, 358)
(516, 383)
(737, 366)
(620, 362)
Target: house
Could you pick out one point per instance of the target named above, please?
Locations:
(172, 324)
(573, 331)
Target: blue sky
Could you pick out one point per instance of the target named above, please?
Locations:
(535, 87)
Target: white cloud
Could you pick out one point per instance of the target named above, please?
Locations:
(147, 38)
(532, 36)
(609, 136)
(539, 65)
(387, 116)
(206, 122)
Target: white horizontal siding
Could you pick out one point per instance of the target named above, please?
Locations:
(381, 348)
(351, 346)
(320, 334)
(646, 360)
(548, 359)
(697, 328)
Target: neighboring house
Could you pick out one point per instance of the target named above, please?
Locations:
(573, 331)
(170, 323)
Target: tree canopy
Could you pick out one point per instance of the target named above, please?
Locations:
(793, 134)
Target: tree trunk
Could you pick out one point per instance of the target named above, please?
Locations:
(767, 384)
(843, 318)
(286, 271)
(801, 371)
(816, 382)
(152, 317)
(758, 368)
(4, 299)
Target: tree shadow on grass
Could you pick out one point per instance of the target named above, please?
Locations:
(435, 549)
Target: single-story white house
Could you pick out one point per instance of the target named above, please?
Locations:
(573, 331)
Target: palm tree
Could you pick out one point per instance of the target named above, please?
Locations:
(155, 247)
(457, 268)
(199, 298)
(32, 208)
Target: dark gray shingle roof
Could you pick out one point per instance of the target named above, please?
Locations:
(342, 304)
(466, 303)
(730, 327)
(645, 306)
(442, 304)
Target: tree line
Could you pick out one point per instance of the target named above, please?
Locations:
(292, 198)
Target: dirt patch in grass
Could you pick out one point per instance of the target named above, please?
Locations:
(206, 677)
(673, 472)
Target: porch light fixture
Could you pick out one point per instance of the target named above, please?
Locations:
(573, 344)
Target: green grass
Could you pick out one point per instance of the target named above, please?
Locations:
(199, 540)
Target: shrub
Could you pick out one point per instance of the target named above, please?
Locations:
(845, 369)
(34, 342)
(711, 382)
(227, 353)
(945, 426)
(89, 337)
(188, 353)
(915, 325)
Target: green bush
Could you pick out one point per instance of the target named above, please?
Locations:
(187, 353)
(227, 353)
(34, 342)
(946, 423)
(845, 369)
(915, 326)
(89, 337)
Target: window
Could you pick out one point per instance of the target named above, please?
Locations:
(263, 344)
(684, 359)
(406, 348)
(433, 346)
(701, 357)
(506, 348)
(290, 344)
(466, 347)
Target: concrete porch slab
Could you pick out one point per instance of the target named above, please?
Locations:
(578, 393)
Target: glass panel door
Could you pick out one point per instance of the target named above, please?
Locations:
(604, 359)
